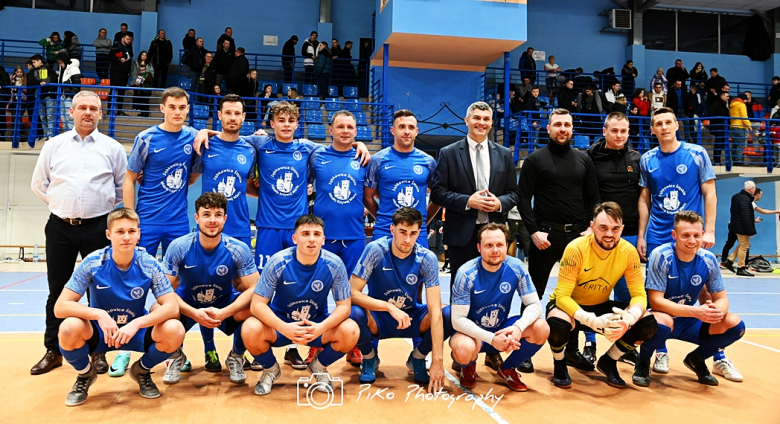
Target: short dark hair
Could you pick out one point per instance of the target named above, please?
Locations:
(536, 87)
(660, 111)
(758, 191)
(309, 219)
(335, 39)
(175, 92)
(618, 116)
(407, 215)
(241, 49)
(228, 28)
(313, 33)
(713, 69)
(232, 98)
(123, 24)
(688, 216)
(612, 209)
(294, 37)
(342, 113)
(209, 200)
(191, 29)
(775, 78)
(492, 226)
(402, 113)
(36, 57)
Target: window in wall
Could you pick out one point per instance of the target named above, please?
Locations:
(75, 5)
(697, 32)
(19, 3)
(732, 33)
(126, 7)
(658, 29)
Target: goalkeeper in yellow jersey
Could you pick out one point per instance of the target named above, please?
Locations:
(590, 268)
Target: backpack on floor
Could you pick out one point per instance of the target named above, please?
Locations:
(759, 264)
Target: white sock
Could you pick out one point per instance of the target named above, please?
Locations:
(370, 355)
(614, 352)
(558, 356)
(417, 355)
(85, 370)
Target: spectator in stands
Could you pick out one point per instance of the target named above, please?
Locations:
(246, 87)
(53, 45)
(606, 79)
(41, 75)
(223, 59)
(589, 102)
(698, 74)
(195, 58)
(335, 51)
(207, 77)
(309, 52)
(72, 45)
(239, 70)
(621, 104)
(188, 42)
(288, 58)
(216, 90)
(323, 70)
(292, 94)
(17, 95)
(718, 112)
(5, 95)
(266, 98)
(121, 65)
(740, 125)
(677, 73)
(552, 76)
(531, 103)
(30, 104)
(581, 81)
(659, 78)
(122, 32)
(143, 79)
(69, 74)
(528, 65)
(774, 92)
(366, 51)
(160, 57)
(567, 99)
(142, 59)
(641, 102)
(347, 70)
(611, 95)
(658, 97)
(228, 35)
(102, 47)
(629, 74)
(714, 84)
(524, 89)
(677, 100)
(698, 104)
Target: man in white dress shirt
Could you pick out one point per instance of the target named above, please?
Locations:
(79, 174)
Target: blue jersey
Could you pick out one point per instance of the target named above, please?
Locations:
(674, 180)
(298, 291)
(339, 183)
(120, 293)
(166, 161)
(283, 169)
(402, 179)
(489, 294)
(393, 279)
(206, 278)
(226, 166)
(681, 281)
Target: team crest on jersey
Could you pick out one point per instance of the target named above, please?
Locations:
(121, 319)
(284, 177)
(297, 155)
(302, 313)
(222, 270)
(405, 197)
(188, 149)
(411, 279)
(174, 178)
(696, 280)
(137, 293)
(418, 169)
(317, 285)
(671, 198)
(241, 159)
(207, 296)
(505, 287)
(341, 192)
(398, 301)
(229, 183)
(681, 169)
(354, 165)
(490, 319)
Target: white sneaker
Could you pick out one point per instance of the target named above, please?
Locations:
(266, 381)
(236, 366)
(661, 363)
(726, 368)
(173, 367)
(320, 373)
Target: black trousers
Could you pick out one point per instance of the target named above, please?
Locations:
(288, 71)
(64, 242)
(459, 255)
(541, 262)
(160, 76)
(119, 79)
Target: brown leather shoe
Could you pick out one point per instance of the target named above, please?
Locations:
(49, 361)
(493, 361)
(100, 363)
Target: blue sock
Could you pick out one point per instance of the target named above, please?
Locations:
(427, 342)
(267, 358)
(238, 342)
(365, 341)
(416, 341)
(654, 343)
(526, 351)
(720, 355)
(79, 358)
(208, 339)
(329, 355)
(153, 357)
(590, 337)
(662, 348)
(709, 346)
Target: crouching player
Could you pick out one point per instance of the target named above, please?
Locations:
(590, 268)
(676, 275)
(290, 306)
(118, 278)
(481, 300)
(204, 267)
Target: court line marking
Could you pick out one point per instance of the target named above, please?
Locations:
(730, 293)
(759, 345)
(20, 282)
(25, 290)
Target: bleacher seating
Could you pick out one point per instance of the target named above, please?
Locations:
(360, 118)
(287, 87)
(353, 105)
(309, 90)
(312, 116)
(317, 132)
(333, 91)
(332, 103)
(351, 92)
(248, 128)
(310, 103)
(200, 124)
(200, 111)
(184, 83)
(363, 133)
(272, 84)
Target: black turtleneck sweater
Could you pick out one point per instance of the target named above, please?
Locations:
(617, 172)
(562, 183)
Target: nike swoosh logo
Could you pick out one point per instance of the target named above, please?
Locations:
(269, 151)
(102, 287)
(287, 283)
(387, 269)
(651, 170)
(189, 266)
(158, 150)
(388, 167)
(588, 269)
(211, 156)
(325, 162)
(676, 276)
(478, 292)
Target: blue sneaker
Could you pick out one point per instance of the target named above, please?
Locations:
(417, 366)
(368, 370)
(120, 365)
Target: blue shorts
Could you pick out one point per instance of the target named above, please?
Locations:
(269, 242)
(140, 342)
(228, 326)
(282, 340)
(487, 347)
(387, 325)
(153, 235)
(687, 329)
(348, 250)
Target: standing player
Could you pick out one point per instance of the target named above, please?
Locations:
(481, 300)
(590, 268)
(674, 176)
(677, 274)
(399, 176)
(290, 306)
(394, 267)
(205, 268)
(118, 279)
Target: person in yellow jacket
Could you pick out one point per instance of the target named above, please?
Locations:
(739, 128)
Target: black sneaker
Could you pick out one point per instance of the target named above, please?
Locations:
(99, 363)
(493, 361)
(212, 361)
(641, 375)
(729, 265)
(608, 367)
(78, 395)
(146, 386)
(293, 359)
(526, 366)
(694, 363)
(561, 374)
(575, 359)
(631, 357)
(743, 272)
(589, 352)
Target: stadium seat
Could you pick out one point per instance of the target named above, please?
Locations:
(248, 128)
(351, 92)
(353, 105)
(310, 103)
(364, 133)
(185, 83)
(332, 104)
(333, 91)
(309, 90)
(200, 111)
(273, 85)
(103, 95)
(300, 130)
(105, 82)
(317, 132)
(88, 81)
(360, 118)
(312, 116)
(581, 142)
(200, 124)
(218, 125)
(287, 87)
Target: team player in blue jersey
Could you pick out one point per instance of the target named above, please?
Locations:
(214, 276)
(481, 299)
(399, 176)
(677, 275)
(290, 305)
(393, 268)
(118, 278)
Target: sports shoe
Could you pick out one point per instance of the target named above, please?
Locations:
(511, 379)
(78, 394)
(144, 379)
(661, 363)
(313, 353)
(235, 364)
(320, 373)
(468, 376)
(354, 357)
(526, 366)
(641, 375)
(743, 272)
(561, 374)
(99, 362)
(266, 380)
(494, 361)
(173, 367)
(726, 368)
(251, 364)
(456, 366)
(589, 352)
(417, 367)
(212, 361)
(187, 366)
(575, 359)
(120, 365)
(729, 265)
(608, 367)
(630, 357)
(368, 370)
(694, 363)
